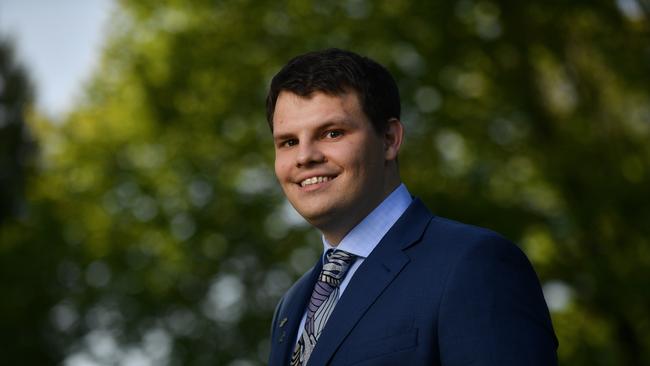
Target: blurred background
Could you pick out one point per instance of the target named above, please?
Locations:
(140, 220)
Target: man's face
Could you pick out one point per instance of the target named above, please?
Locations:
(329, 160)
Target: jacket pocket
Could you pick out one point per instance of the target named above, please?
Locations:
(370, 349)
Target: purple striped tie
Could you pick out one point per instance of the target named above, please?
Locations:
(321, 303)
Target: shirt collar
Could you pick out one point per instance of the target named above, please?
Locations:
(364, 237)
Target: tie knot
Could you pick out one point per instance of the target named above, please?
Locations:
(335, 267)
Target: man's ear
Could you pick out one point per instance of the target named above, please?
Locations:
(393, 138)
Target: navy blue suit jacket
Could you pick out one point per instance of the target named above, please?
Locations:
(433, 292)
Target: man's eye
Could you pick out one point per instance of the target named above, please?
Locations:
(291, 142)
(333, 134)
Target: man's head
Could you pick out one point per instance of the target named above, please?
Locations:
(334, 163)
(334, 71)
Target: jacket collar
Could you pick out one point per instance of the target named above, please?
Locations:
(375, 274)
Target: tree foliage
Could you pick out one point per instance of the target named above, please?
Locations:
(155, 230)
(16, 146)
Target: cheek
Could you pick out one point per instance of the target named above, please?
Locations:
(280, 168)
(361, 155)
(349, 153)
(283, 169)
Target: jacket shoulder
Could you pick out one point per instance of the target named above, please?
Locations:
(460, 237)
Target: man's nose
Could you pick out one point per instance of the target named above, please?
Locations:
(309, 153)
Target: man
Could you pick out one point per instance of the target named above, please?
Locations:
(395, 285)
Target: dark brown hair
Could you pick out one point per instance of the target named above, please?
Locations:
(334, 71)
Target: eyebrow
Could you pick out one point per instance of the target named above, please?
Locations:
(327, 124)
(282, 137)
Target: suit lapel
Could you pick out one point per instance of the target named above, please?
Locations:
(291, 313)
(375, 274)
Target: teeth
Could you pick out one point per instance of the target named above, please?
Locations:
(314, 180)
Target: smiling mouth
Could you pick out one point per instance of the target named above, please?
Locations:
(315, 180)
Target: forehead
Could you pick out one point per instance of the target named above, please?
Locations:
(292, 110)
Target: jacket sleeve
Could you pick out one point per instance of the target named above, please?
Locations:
(493, 311)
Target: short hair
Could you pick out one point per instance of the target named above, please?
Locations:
(334, 71)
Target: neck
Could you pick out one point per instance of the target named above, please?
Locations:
(335, 235)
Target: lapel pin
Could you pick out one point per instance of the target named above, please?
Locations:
(282, 337)
(283, 322)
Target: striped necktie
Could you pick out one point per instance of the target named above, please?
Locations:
(321, 303)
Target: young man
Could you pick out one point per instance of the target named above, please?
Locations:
(395, 285)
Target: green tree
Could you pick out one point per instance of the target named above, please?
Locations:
(24, 271)
(163, 236)
(16, 146)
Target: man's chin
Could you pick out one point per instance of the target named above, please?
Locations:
(319, 218)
